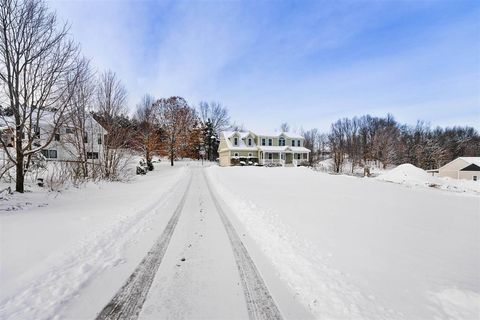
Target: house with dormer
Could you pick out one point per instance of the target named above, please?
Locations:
(255, 148)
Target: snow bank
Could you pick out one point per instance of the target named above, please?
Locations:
(458, 304)
(52, 249)
(412, 176)
(356, 248)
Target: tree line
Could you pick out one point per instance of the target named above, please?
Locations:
(363, 141)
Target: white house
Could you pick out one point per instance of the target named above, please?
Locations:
(67, 142)
(284, 148)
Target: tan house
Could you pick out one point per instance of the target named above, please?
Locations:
(251, 148)
(467, 168)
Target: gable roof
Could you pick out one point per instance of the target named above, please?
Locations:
(471, 160)
(472, 167)
(244, 134)
(241, 144)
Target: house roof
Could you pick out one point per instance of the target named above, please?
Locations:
(282, 149)
(278, 134)
(471, 167)
(244, 134)
(471, 160)
(241, 143)
(299, 149)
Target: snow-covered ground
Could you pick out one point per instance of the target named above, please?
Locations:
(403, 245)
(361, 248)
(53, 245)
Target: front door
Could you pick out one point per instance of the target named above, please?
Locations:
(289, 158)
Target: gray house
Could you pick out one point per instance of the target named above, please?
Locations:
(467, 168)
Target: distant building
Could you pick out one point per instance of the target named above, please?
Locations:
(64, 145)
(467, 168)
(249, 148)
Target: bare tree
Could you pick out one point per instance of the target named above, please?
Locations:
(337, 145)
(216, 114)
(147, 138)
(237, 127)
(284, 127)
(311, 142)
(81, 131)
(38, 72)
(111, 113)
(177, 119)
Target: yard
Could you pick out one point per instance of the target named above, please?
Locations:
(361, 248)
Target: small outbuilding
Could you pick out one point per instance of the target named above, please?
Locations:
(467, 168)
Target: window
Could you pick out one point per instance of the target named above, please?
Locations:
(293, 143)
(92, 155)
(50, 154)
(69, 130)
(297, 156)
(475, 178)
(250, 155)
(263, 141)
(99, 138)
(250, 142)
(281, 142)
(298, 143)
(270, 142)
(235, 154)
(85, 137)
(270, 156)
(57, 136)
(235, 141)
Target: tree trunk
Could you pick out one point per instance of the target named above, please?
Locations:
(171, 159)
(20, 179)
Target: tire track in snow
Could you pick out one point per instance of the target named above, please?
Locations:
(260, 303)
(128, 301)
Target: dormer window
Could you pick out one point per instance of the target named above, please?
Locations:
(293, 143)
(270, 142)
(249, 142)
(298, 143)
(281, 141)
(263, 141)
(235, 141)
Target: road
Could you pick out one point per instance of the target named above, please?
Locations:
(199, 267)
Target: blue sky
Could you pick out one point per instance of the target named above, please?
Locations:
(305, 63)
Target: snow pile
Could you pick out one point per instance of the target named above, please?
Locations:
(458, 304)
(410, 175)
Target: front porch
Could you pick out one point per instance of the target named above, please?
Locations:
(283, 158)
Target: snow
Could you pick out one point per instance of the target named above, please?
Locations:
(328, 246)
(409, 175)
(472, 160)
(56, 244)
(362, 248)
